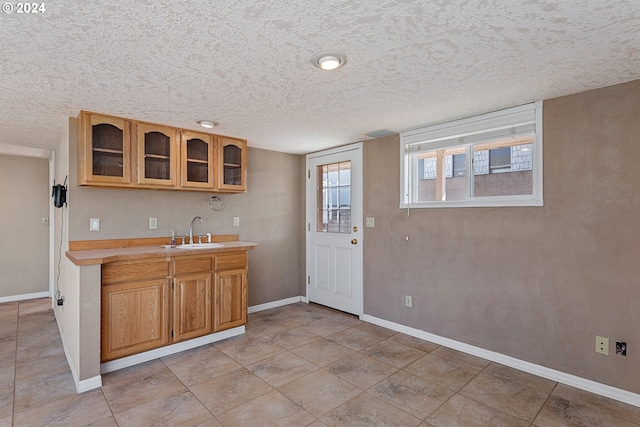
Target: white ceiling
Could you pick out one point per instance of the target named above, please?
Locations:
(246, 64)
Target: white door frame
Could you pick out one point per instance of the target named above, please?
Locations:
(311, 219)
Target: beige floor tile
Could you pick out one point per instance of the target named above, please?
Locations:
(34, 335)
(210, 423)
(272, 409)
(361, 370)
(41, 368)
(559, 412)
(299, 317)
(181, 409)
(411, 393)
(141, 389)
(8, 348)
(140, 370)
(355, 338)
(325, 327)
(600, 403)
(6, 401)
(367, 410)
(266, 326)
(461, 411)
(376, 330)
(320, 392)
(43, 390)
(230, 390)
(322, 352)
(293, 337)
(39, 350)
(347, 319)
(200, 364)
(460, 357)
(79, 410)
(8, 329)
(393, 353)
(7, 376)
(317, 423)
(35, 306)
(506, 396)
(6, 421)
(282, 368)
(248, 348)
(414, 342)
(447, 373)
(543, 385)
(105, 422)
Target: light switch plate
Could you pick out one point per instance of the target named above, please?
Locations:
(236, 221)
(94, 224)
(153, 223)
(370, 222)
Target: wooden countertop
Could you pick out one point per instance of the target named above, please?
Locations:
(104, 256)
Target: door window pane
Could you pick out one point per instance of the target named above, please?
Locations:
(333, 198)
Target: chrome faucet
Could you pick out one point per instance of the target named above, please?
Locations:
(191, 228)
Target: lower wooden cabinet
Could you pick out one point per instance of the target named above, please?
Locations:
(191, 306)
(148, 304)
(135, 318)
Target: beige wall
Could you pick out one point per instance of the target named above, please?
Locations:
(24, 203)
(269, 215)
(535, 283)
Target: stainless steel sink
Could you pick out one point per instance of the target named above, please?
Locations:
(197, 246)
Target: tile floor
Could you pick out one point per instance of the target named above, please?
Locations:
(299, 365)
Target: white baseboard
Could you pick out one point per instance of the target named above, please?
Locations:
(541, 371)
(24, 297)
(81, 385)
(274, 304)
(157, 353)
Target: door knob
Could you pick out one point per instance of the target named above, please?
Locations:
(354, 241)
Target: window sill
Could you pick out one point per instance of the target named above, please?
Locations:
(477, 203)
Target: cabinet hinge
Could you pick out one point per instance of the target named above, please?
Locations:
(172, 333)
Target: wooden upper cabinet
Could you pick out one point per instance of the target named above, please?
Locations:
(232, 164)
(197, 160)
(157, 154)
(104, 150)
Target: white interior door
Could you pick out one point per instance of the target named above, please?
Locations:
(334, 228)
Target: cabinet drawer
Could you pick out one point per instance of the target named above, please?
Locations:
(188, 265)
(231, 261)
(117, 272)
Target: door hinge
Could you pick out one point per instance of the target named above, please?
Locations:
(309, 173)
(309, 226)
(308, 280)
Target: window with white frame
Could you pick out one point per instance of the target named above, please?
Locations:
(494, 159)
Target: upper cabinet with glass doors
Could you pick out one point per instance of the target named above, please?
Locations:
(118, 152)
(157, 155)
(104, 150)
(232, 164)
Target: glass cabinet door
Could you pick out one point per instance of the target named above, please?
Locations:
(157, 155)
(197, 160)
(232, 168)
(106, 149)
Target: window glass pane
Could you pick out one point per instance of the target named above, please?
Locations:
(503, 168)
(334, 198)
(436, 180)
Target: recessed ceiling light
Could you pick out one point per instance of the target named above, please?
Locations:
(207, 124)
(329, 60)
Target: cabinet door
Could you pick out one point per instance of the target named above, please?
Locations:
(134, 318)
(232, 164)
(157, 155)
(230, 306)
(105, 150)
(191, 306)
(197, 160)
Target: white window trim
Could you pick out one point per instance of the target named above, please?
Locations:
(437, 133)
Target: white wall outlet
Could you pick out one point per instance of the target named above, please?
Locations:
(236, 221)
(94, 224)
(602, 345)
(370, 222)
(408, 301)
(45, 221)
(153, 223)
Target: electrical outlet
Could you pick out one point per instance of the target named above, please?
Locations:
(602, 345)
(45, 221)
(621, 348)
(153, 223)
(236, 221)
(94, 224)
(408, 301)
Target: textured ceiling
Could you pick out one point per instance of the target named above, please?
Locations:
(246, 64)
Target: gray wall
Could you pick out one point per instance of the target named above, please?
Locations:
(269, 215)
(535, 283)
(24, 263)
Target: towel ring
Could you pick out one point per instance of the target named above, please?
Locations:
(216, 204)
